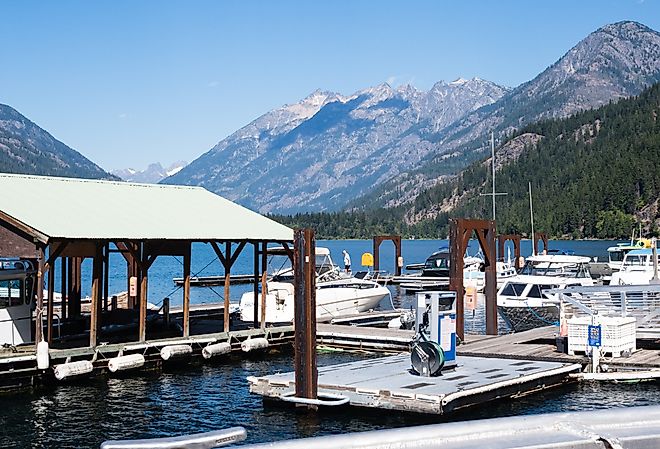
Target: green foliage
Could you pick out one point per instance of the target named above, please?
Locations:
(590, 174)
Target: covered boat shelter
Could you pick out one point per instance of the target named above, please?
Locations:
(68, 220)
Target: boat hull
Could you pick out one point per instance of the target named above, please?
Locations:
(331, 302)
(524, 317)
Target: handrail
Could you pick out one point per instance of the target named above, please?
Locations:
(205, 440)
(335, 399)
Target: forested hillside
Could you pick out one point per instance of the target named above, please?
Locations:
(594, 174)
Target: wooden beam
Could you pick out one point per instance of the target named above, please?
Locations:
(236, 253)
(255, 284)
(144, 290)
(63, 287)
(51, 301)
(21, 229)
(304, 272)
(106, 275)
(97, 274)
(264, 285)
(56, 252)
(218, 253)
(186, 291)
(38, 326)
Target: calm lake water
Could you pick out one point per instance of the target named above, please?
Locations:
(206, 397)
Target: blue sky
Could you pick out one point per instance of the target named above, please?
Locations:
(127, 83)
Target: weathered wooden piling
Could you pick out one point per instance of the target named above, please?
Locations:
(304, 269)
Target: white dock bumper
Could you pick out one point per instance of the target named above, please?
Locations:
(125, 362)
(73, 369)
(252, 344)
(173, 352)
(216, 349)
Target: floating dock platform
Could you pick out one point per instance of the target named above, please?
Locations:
(388, 383)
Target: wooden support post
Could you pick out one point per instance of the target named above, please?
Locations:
(227, 266)
(113, 302)
(398, 261)
(106, 275)
(166, 312)
(38, 325)
(97, 274)
(304, 272)
(144, 294)
(377, 242)
(255, 282)
(51, 301)
(456, 273)
(186, 291)
(264, 285)
(487, 241)
(63, 280)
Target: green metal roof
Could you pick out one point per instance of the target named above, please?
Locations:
(66, 208)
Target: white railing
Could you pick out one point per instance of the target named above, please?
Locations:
(639, 301)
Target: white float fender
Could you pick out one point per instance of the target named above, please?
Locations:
(125, 362)
(216, 349)
(43, 359)
(175, 352)
(254, 343)
(73, 369)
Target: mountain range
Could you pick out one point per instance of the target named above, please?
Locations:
(385, 146)
(153, 174)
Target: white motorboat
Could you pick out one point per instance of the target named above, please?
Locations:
(638, 268)
(523, 301)
(337, 293)
(616, 254)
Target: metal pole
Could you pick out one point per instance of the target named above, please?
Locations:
(304, 272)
(531, 215)
(654, 279)
(492, 150)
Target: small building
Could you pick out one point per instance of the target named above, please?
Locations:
(59, 222)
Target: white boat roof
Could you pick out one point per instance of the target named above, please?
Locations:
(558, 258)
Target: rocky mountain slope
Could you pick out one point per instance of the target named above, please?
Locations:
(615, 61)
(385, 147)
(26, 148)
(327, 149)
(154, 173)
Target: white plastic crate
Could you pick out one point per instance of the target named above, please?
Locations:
(618, 335)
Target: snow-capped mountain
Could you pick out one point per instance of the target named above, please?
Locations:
(328, 148)
(154, 173)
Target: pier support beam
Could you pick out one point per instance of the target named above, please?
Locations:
(255, 284)
(264, 285)
(460, 232)
(63, 287)
(38, 325)
(304, 273)
(542, 237)
(51, 301)
(144, 294)
(398, 261)
(501, 240)
(186, 291)
(97, 287)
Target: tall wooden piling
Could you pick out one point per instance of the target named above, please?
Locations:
(304, 271)
(187, 256)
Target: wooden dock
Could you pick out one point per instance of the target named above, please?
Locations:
(18, 370)
(536, 345)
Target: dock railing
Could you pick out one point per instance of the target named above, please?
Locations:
(639, 301)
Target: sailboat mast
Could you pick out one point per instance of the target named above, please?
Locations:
(531, 215)
(492, 151)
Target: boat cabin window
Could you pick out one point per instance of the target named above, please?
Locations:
(11, 293)
(616, 256)
(536, 291)
(438, 262)
(635, 260)
(513, 289)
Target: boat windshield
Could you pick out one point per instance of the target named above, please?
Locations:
(536, 268)
(436, 262)
(635, 260)
(616, 255)
(11, 293)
